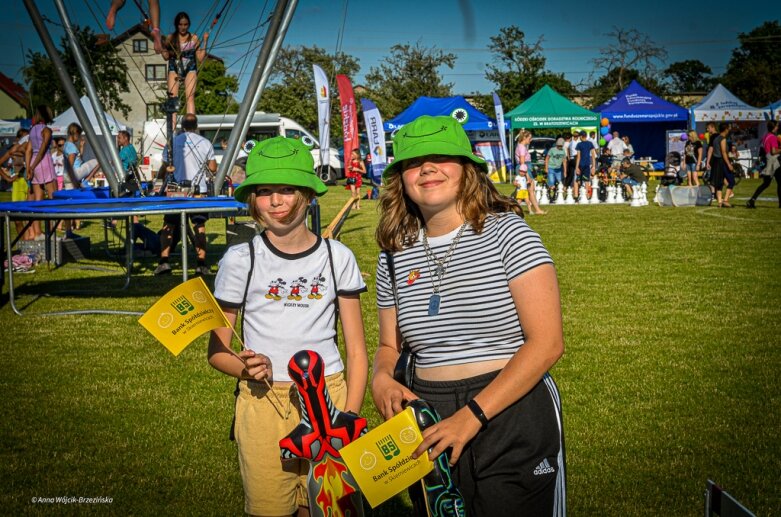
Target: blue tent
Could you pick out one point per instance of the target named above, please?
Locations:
(775, 110)
(645, 118)
(451, 106)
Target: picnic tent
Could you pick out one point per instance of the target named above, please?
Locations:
(644, 118)
(549, 109)
(60, 124)
(456, 107)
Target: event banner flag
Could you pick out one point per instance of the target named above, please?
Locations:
(376, 137)
(504, 152)
(182, 314)
(349, 115)
(381, 460)
(323, 112)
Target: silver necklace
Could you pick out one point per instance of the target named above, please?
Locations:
(440, 267)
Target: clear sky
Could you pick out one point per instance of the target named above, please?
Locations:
(573, 33)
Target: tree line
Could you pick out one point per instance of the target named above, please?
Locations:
(518, 68)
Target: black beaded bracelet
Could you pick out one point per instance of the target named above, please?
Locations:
(478, 412)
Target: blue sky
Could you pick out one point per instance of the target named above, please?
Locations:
(573, 34)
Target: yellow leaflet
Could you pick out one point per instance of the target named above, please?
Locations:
(381, 461)
(182, 314)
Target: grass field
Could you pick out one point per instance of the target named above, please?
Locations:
(672, 323)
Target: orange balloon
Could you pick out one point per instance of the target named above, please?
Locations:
(605, 122)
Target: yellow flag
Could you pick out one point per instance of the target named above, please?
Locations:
(182, 314)
(381, 461)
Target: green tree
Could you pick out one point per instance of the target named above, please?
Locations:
(408, 73)
(631, 56)
(215, 90)
(518, 68)
(752, 71)
(103, 61)
(690, 75)
(291, 89)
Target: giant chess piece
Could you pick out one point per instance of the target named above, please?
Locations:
(322, 432)
(538, 191)
(618, 196)
(656, 194)
(442, 497)
(595, 191)
(644, 194)
(636, 196)
(569, 199)
(544, 197)
(559, 195)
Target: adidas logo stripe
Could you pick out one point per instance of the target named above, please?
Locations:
(544, 468)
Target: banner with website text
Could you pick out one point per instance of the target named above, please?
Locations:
(504, 156)
(375, 135)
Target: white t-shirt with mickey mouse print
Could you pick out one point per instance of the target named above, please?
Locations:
(290, 302)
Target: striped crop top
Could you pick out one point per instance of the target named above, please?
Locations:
(477, 319)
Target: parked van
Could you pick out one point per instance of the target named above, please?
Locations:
(215, 128)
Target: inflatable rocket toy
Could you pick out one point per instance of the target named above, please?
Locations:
(438, 496)
(322, 432)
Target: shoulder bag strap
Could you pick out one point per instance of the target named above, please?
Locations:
(336, 290)
(394, 288)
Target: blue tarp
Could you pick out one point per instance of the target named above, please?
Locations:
(775, 110)
(644, 118)
(435, 106)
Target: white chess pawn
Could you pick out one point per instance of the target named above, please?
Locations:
(544, 198)
(618, 197)
(559, 195)
(609, 199)
(538, 190)
(569, 199)
(656, 194)
(594, 190)
(636, 196)
(644, 194)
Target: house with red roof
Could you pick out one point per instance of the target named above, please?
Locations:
(14, 101)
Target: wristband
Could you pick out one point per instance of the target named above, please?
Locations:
(475, 408)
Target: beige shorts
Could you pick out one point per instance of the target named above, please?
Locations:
(273, 486)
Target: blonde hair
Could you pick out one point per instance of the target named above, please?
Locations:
(693, 136)
(304, 196)
(523, 135)
(401, 219)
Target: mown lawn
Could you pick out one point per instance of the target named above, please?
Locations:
(672, 321)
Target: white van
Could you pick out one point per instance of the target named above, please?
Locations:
(218, 127)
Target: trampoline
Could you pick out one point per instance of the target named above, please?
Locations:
(88, 207)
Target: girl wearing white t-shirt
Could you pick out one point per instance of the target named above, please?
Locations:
(290, 284)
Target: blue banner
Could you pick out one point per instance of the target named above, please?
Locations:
(376, 138)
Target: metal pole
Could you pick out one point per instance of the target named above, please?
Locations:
(280, 21)
(92, 93)
(70, 90)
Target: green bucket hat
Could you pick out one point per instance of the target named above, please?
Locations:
(280, 161)
(431, 135)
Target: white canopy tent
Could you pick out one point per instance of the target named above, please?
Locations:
(60, 124)
(721, 105)
(8, 128)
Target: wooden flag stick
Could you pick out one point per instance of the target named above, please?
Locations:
(281, 406)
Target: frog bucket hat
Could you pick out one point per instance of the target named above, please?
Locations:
(428, 135)
(280, 161)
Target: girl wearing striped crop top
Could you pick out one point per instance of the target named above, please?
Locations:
(478, 304)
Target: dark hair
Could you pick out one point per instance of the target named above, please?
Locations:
(190, 122)
(22, 132)
(44, 113)
(771, 125)
(174, 37)
(723, 126)
(74, 129)
(124, 133)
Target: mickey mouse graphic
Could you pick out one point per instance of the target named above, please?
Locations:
(275, 289)
(297, 287)
(318, 287)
